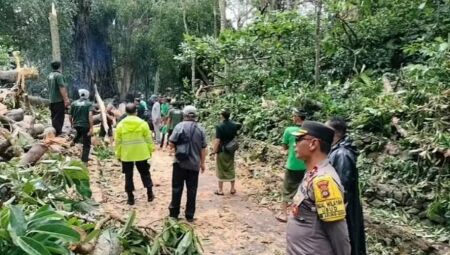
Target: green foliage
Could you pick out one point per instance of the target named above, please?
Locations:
(43, 231)
(381, 63)
(103, 151)
(45, 183)
(176, 238)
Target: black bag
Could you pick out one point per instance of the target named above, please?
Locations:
(184, 145)
(231, 146)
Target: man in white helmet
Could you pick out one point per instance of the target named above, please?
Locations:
(81, 119)
(189, 140)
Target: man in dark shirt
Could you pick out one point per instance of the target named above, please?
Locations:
(59, 99)
(343, 157)
(81, 119)
(188, 136)
(225, 133)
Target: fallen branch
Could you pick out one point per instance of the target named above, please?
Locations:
(409, 241)
(101, 106)
(87, 248)
(400, 130)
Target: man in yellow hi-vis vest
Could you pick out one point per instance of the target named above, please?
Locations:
(134, 146)
(317, 225)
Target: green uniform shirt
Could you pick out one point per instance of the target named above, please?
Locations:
(79, 110)
(165, 109)
(176, 116)
(55, 81)
(292, 162)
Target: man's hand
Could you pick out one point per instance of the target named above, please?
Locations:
(66, 102)
(202, 167)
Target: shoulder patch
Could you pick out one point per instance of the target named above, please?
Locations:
(329, 199)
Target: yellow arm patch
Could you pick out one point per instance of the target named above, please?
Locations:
(329, 199)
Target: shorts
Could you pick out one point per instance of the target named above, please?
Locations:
(292, 180)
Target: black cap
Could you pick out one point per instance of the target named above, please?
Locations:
(298, 112)
(316, 129)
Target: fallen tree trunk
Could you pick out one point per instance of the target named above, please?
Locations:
(101, 106)
(401, 237)
(16, 114)
(8, 76)
(34, 154)
(38, 101)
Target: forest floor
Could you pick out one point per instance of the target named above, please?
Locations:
(230, 224)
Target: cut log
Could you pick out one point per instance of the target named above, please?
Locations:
(101, 106)
(34, 154)
(8, 76)
(16, 114)
(38, 101)
(36, 130)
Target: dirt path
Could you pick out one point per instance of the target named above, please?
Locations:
(227, 224)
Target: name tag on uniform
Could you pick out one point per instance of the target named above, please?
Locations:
(329, 200)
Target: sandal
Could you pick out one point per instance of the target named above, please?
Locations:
(218, 193)
(281, 217)
(233, 192)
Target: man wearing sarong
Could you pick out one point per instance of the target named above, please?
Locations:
(225, 133)
(294, 167)
(317, 224)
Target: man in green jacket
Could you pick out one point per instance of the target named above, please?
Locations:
(134, 146)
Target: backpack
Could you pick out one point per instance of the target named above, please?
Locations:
(184, 144)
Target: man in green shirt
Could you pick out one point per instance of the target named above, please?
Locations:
(175, 117)
(294, 168)
(59, 99)
(81, 119)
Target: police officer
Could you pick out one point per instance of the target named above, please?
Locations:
(317, 224)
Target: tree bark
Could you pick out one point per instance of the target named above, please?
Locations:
(54, 32)
(92, 51)
(223, 15)
(34, 154)
(317, 46)
(8, 76)
(102, 107)
(156, 87)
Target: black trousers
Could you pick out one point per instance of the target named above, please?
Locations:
(82, 134)
(179, 176)
(57, 111)
(144, 170)
(169, 133)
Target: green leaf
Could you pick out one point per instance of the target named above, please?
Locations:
(31, 247)
(94, 234)
(56, 249)
(58, 230)
(422, 5)
(17, 220)
(128, 224)
(184, 244)
(155, 248)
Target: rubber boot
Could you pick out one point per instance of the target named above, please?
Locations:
(130, 200)
(150, 195)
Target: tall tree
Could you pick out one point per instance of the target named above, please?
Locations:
(317, 44)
